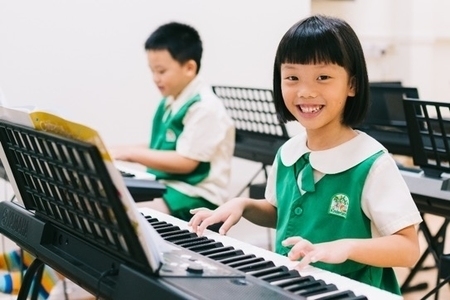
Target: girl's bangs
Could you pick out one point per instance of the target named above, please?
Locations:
(313, 48)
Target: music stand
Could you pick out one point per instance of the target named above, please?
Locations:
(66, 183)
(259, 132)
(429, 134)
(385, 120)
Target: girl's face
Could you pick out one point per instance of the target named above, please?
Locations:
(316, 93)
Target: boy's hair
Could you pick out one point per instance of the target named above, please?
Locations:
(182, 41)
(323, 39)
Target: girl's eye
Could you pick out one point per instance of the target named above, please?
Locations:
(323, 77)
(291, 78)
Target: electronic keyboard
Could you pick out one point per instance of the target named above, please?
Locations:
(311, 283)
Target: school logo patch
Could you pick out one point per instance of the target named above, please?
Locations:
(339, 205)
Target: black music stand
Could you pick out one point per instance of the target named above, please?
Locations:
(259, 132)
(385, 120)
(429, 134)
(65, 182)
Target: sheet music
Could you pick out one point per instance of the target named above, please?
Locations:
(153, 245)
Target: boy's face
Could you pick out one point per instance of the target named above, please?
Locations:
(169, 75)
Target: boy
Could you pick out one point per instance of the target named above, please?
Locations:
(192, 138)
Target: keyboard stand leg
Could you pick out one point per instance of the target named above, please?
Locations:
(435, 248)
(263, 168)
(34, 269)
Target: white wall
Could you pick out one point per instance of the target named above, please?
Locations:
(85, 58)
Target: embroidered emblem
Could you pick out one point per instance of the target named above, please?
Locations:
(170, 135)
(339, 205)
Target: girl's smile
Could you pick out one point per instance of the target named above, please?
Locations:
(309, 109)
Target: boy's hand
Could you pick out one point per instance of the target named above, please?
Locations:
(229, 213)
(331, 252)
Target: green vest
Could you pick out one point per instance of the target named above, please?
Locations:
(331, 210)
(165, 134)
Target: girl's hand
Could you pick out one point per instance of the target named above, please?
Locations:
(331, 252)
(229, 213)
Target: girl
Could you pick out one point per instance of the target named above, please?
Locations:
(334, 194)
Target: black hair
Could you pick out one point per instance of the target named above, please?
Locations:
(182, 41)
(324, 39)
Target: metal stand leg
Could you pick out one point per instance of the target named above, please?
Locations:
(37, 281)
(263, 168)
(36, 266)
(435, 248)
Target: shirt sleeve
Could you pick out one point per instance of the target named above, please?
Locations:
(386, 199)
(205, 127)
(270, 193)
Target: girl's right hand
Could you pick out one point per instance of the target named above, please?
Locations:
(229, 213)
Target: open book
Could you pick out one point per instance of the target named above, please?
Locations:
(152, 244)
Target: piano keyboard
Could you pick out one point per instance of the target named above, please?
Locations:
(129, 170)
(313, 283)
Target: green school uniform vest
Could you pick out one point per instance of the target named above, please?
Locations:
(329, 210)
(165, 133)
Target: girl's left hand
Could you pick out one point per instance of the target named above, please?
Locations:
(331, 252)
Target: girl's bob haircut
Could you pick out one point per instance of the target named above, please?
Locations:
(324, 39)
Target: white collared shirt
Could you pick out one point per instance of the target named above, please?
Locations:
(386, 199)
(208, 136)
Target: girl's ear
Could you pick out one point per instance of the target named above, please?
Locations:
(352, 87)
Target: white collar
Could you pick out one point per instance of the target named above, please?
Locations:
(334, 160)
(188, 92)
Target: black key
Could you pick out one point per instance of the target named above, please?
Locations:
(185, 243)
(161, 225)
(271, 271)
(126, 174)
(306, 285)
(168, 234)
(277, 277)
(226, 254)
(256, 266)
(237, 258)
(294, 281)
(250, 260)
(168, 228)
(151, 220)
(317, 290)
(220, 249)
(201, 245)
(211, 245)
(158, 223)
(179, 235)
